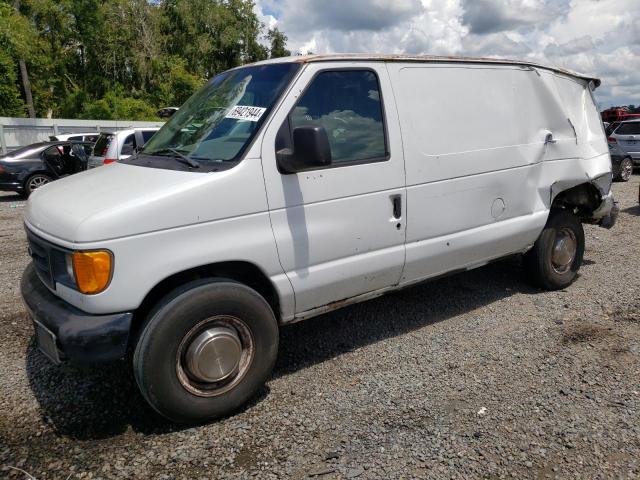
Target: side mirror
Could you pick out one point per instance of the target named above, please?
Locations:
(311, 150)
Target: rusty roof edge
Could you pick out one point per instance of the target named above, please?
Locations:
(430, 58)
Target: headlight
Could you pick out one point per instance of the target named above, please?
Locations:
(91, 269)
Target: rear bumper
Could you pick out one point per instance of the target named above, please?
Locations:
(74, 335)
(607, 213)
(11, 187)
(10, 182)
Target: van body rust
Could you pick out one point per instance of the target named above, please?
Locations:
(292, 187)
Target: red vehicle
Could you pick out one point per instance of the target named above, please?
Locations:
(618, 114)
(614, 115)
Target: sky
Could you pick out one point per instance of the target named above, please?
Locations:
(595, 37)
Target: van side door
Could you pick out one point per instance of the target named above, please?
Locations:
(474, 142)
(339, 229)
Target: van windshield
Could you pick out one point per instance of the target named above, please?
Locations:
(214, 127)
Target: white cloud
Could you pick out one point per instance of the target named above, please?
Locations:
(491, 16)
(599, 37)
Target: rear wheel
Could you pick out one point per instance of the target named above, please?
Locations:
(625, 170)
(555, 258)
(205, 350)
(35, 181)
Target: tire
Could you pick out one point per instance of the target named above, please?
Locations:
(160, 360)
(35, 181)
(554, 270)
(624, 170)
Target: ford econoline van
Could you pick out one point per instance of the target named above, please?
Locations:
(287, 188)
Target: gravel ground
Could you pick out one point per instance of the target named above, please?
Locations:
(476, 375)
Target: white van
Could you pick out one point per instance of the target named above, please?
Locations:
(288, 188)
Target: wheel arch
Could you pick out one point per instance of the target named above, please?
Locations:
(244, 272)
(582, 199)
(30, 173)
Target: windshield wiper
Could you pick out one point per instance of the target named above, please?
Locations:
(178, 155)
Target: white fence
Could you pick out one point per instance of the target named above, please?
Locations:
(18, 132)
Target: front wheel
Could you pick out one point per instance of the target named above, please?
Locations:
(205, 350)
(555, 258)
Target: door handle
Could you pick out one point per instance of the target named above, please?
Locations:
(396, 201)
(549, 138)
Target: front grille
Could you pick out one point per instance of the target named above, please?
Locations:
(40, 251)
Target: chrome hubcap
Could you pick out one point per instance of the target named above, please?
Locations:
(564, 250)
(215, 355)
(36, 182)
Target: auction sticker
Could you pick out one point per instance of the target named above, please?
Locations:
(244, 112)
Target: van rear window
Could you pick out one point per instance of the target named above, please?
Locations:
(101, 146)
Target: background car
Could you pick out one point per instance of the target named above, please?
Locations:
(627, 137)
(28, 168)
(621, 163)
(79, 137)
(166, 112)
(113, 146)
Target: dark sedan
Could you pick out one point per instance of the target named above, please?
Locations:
(621, 163)
(27, 168)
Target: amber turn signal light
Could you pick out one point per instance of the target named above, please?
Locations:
(92, 270)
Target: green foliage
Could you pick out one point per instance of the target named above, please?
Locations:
(278, 41)
(116, 106)
(17, 35)
(173, 83)
(11, 105)
(123, 58)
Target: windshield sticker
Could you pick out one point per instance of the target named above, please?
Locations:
(244, 112)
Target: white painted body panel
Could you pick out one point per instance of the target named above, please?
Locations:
(157, 223)
(478, 182)
(333, 227)
(468, 158)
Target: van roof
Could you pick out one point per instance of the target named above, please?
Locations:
(422, 58)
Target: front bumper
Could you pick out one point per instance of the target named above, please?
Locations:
(64, 332)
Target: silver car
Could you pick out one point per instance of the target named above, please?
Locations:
(627, 137)
(118, 145)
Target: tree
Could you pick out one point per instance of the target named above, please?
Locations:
(211, 35)
(121, 58)
(278, 41)
(11, 105)
(172, 83)
(20, 39)
(115, 105)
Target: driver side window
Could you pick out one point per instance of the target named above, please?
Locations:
(347, 104)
